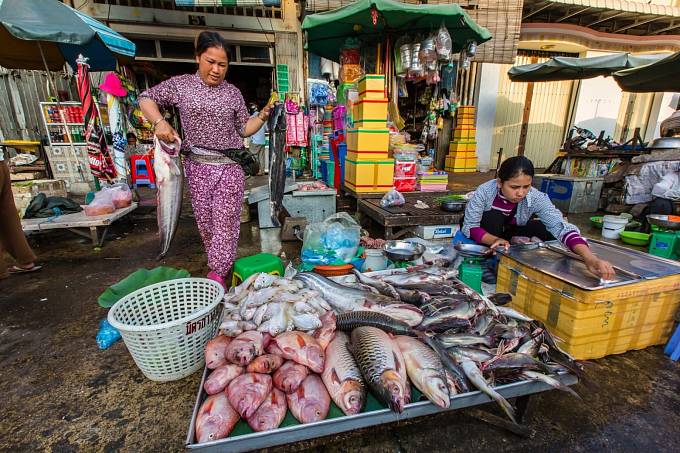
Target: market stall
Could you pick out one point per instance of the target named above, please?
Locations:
(398, 71)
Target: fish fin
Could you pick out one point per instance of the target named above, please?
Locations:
(334, 377)
(397, 362)
(301, 392)
(300, 341)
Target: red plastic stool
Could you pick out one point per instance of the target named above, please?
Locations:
(141, 167)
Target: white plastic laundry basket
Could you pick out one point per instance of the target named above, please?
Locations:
(613, 225)
(167, 325)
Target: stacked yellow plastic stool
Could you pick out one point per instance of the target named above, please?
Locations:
(462, 157)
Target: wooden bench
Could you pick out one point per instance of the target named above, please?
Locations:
(79, 224)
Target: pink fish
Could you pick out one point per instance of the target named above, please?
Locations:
(244, 348)
(214, 351)
(216, 418)
(271, 413)
(289, 377)
(326, 332)
(221, 377)
(265, 364)
(302, 348)
(311, 401)
(248, 391)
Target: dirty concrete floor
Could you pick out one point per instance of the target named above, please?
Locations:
(61, 393)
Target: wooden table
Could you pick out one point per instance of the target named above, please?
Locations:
(407, 218)
(379, 195)
(78, 221)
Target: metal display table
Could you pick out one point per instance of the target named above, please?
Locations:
(281, 436)
(407, 218)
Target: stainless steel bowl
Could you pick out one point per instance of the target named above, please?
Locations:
(452, 206)
(662, 221)
(403, 251)
(665, 143)
(472, 249)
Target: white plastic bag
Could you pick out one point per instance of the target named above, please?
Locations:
(443, 43)
(392, 198)
(101, 204)
(122, 196)
(333, 241)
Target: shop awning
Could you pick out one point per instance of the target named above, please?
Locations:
(232, 3)
(662, 75)
(572, 68)
(327, 31)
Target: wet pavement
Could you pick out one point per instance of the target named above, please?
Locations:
(61, 393)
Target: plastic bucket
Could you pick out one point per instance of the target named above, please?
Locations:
(167, 325)
(612, 226)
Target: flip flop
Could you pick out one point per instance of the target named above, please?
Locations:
(21, 270)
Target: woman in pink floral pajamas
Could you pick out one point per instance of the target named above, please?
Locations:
(214, 120)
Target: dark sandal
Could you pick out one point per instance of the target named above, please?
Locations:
(21, 270)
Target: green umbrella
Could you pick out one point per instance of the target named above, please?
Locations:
(662, 75)
(573, 68)
(327, 31)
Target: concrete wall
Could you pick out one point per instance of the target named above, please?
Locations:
(486, 114)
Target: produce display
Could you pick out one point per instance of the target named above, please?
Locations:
(303, 349)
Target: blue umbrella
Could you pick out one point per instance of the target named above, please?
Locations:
(59, 34)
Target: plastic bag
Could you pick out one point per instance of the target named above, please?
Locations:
(443, 43)
(107, 334)
(333, 241)
(392, 198)
(101, 204)
(122, 196)
(405, 183)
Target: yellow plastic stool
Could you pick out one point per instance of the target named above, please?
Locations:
(262, 262)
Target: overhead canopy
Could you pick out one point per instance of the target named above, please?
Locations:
(327, 31)
(573, 68)
(62, 32)
(662, 75)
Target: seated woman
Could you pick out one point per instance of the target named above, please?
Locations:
(504, 207)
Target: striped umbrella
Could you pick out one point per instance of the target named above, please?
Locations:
(84, 91)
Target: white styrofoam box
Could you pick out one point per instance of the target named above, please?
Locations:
(436, 231)
(314, 205)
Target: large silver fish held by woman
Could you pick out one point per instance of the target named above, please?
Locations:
(277, 162)
(170, 181)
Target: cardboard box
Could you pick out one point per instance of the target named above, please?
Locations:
(370, 109)
(369, 176)
(373, 140)
(372, 83)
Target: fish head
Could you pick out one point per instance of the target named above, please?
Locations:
(353, 395)
(210, 428)
(393, 391)
(316, 358)
(312, 411)
(245, 354)
(436, 388)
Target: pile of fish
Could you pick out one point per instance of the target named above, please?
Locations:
(450, 341)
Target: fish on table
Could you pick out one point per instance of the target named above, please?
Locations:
(214, 351)
(342, 376)
(289, 376)
(265, 364)
(311, 401)
(301, 348)
(271, 412)
(244, 348)
(425, 370)
(379, 360)
(248, 391)
(170, 182)
(215, 419)
(218, 380)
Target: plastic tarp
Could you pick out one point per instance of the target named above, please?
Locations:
(137, 280)
(640, 184)
(62, 33)
(662, 75)
(327, 31)
(573, 68)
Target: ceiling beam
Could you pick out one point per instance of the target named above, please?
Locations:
(637, 23)
(573, 13)
(672, 26)
(606, 18)
(537, 10)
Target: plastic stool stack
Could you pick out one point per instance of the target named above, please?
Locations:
(142, 171)
(262, 262)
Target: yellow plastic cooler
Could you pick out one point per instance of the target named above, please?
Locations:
(465, 146)
(363, 176)
(464, 133)
(595, 320)
(372, 140)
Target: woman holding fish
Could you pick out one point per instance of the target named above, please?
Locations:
(214, 120)
(503, 208)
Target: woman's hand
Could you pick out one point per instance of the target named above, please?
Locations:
(264, 113)
(165, 132)
(601, 268)
(499, 242)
